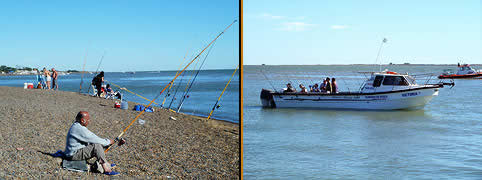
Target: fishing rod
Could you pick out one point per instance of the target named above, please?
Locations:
(83, 68)
(123, 88)
(261, 70)
(175, 92)
(188, 85)
(98, 66)
(169, 90)
(216, 104)
(266, 69)
(134, 120)
(379, 50)
(194, 78)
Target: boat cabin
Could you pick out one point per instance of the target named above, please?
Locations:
(388, 81)
(465, 69)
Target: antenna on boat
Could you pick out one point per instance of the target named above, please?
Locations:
(378, 55)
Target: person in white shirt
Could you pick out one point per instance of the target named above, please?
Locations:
(83, 144)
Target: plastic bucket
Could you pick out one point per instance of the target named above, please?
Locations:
(124, 105)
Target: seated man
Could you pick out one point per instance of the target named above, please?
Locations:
(289, 88)
(82, 144)
(303, 89)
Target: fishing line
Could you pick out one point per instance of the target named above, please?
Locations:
(134, 120)
(123, 88)
(197, 73)
(83, 68)
(169, 90)
(261, 70)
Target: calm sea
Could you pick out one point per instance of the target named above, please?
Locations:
(203, 95)
(441, 141)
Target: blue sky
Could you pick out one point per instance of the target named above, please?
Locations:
(135, 35)
(350, 32)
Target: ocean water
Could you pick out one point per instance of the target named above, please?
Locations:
(441, 141)
(203, 94)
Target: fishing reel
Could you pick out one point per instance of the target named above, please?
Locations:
(120, 141)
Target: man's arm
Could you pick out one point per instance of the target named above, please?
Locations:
(86, 135)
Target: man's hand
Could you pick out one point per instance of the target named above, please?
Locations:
(111, 141)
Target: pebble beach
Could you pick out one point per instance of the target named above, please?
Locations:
(35, 122)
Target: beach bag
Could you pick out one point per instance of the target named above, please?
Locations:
(138, 107)
(149, 109)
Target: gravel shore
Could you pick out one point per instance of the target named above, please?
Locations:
(35, 122)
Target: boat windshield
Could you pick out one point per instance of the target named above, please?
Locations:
(395, 81)
(411, 80)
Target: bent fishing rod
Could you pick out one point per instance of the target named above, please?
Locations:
(165, 87)
(215, 105)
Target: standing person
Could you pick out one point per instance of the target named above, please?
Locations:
(328, 85)
(47, 77)
(40, 80)
(83, 144)
(334, 86)
(97, 82)
(55, 75)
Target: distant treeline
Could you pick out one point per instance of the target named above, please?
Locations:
(7, 69)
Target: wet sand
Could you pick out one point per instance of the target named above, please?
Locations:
(35, 122)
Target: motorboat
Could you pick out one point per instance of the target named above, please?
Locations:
(464, 71)
(382, 91)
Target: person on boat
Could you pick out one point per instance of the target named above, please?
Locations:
(82, 144)
(97, 82)
(55, 75)
(323, 86)
(328, 87)
(289, 88)
(303, 89)
(315, 88)
(47, 77)
(334, 86)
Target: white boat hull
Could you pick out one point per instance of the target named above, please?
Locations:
(409, 99)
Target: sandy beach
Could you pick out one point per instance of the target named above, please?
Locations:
(35, 122)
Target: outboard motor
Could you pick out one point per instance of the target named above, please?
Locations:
(266, 97)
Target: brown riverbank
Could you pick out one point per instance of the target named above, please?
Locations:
(34, 122)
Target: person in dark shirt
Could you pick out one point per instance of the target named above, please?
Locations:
(290, 88)
(328, 87)
(334, 86)
(97, 82)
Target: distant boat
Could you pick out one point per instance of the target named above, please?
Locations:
(464, 71)
(382, 91)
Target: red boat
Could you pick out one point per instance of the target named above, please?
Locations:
(465, 71)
